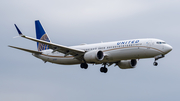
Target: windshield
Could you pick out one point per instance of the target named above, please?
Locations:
(161, 42)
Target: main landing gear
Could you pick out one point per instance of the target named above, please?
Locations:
(156, 58)
(104, 69)
(84, 65)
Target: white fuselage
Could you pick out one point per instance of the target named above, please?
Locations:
(114, 51)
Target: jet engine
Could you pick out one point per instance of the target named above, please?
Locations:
(127, 64)
(94, 56)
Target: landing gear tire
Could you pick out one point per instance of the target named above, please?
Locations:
(155, 63)
(103, 69)
(84, 65)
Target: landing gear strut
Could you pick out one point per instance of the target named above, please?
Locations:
(84, 65)
(156, 58)
(104, 69)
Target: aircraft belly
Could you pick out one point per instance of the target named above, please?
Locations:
(147, 52)
(59, 60)
(131, 53)
(65, 61)
(152, 53)
(126, 53)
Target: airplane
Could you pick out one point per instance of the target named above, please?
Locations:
(123, 54)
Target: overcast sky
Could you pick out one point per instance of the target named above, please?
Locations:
(73, 22)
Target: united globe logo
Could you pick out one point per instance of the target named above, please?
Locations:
(42, 46)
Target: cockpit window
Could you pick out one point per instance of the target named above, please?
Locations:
(161, 42)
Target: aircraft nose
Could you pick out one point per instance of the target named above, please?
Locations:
(168, 48)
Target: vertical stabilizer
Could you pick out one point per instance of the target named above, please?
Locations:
(41, 34)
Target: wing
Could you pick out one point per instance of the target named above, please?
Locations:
(56, 47)
(77, 53)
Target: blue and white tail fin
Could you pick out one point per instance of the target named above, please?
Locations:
(41, 35)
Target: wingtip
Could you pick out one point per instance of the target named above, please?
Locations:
(10, 46)
(19, 32)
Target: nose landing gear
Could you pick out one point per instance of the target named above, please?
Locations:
(155, 63)
(157, 58)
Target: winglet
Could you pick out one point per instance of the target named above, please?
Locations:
(18, 30)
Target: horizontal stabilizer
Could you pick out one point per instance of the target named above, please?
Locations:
(27, 50)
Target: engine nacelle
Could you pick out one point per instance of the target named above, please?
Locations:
(94, 56)
(127, 64)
